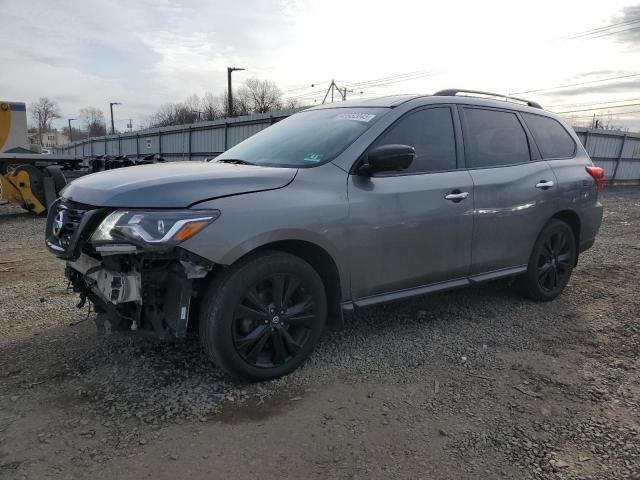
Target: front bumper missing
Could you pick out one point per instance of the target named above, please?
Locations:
(133, 288)
(111, 287)
(140, 296)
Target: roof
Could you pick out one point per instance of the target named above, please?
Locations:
(387, 101)
(19, 150)
(444, 96)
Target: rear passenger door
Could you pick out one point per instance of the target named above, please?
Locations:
(412, 228)
(513, 189)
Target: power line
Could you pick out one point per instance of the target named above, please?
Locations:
(303, 87)
(600, 29)
(565, 105)
(390, 77)
(386, 81)
(599, 108)
(311, 94)
(378, 82)
(576, 84)
(615, 113)
(417, 73)
(613, 33)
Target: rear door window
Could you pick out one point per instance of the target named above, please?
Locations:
(552, 139)
(493, 138)
(430, 132)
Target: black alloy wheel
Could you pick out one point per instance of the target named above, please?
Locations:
(261, 318)
(273, 320)
(551, 262)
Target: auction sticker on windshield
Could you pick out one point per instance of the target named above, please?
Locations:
(313, 157)
(359, 117)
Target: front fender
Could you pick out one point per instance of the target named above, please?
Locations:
(313, 209)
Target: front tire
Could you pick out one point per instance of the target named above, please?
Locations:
(263, 317)
(551, 262)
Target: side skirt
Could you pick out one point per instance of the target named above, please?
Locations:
(350, 306)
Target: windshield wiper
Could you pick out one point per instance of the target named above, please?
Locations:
(235, 161)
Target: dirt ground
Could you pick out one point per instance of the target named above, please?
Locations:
(475, 383)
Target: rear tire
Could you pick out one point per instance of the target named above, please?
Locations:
(262, 318)
(59, 180)
(551, 262)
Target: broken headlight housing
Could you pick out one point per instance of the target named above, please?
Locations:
(152, 228)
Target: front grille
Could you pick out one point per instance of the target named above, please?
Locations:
(72, 214)
(63, 224)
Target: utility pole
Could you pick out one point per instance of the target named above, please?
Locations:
(329, 89)
(342, 91)
(229, 90)
(70, 132)
(111, 104)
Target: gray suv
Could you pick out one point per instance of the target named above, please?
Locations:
(335, 208)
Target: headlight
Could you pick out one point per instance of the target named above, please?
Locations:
(152, 228)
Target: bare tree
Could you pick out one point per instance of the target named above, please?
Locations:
(93, 119)
(173, 114)
(212, 107)
(76, 133)
(193, 104)
(292, 103)
(43, 112)
(599, 121)
(241, 103)
(193, 109)
(258, 96)
(255, 96)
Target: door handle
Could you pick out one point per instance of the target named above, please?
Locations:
(544, 184)
(456, 197)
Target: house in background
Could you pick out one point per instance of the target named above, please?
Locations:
(49, 139)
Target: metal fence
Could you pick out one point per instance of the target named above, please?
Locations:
(195, 141)
(617, 152)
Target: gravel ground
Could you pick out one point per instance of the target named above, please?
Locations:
(467, 384)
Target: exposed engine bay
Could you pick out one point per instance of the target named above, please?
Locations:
(131, 292)
(131, 286)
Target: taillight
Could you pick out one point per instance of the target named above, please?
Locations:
(598, 175)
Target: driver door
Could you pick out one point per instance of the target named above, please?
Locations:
(412, 228)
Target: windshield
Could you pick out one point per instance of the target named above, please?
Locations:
(305, 139)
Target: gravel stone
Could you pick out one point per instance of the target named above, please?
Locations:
(433, 387)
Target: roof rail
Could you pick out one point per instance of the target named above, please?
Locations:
(452, 92)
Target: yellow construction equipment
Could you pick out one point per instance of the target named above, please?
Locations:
(15, 186)
(34, 181)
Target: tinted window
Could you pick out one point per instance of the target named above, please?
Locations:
(551, 137)
(494, 138)
(430, 132)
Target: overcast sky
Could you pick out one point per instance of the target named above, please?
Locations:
(147, 52)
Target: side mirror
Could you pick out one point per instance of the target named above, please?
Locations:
(387, 158)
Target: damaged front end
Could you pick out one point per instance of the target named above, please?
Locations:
(129, 265)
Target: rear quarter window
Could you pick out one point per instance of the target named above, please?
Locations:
(551, 137)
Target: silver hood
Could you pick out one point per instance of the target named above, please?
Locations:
(174, 185)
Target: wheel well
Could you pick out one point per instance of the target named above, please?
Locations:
(322, 263)
(572, 219)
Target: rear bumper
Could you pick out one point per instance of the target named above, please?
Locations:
(590, 219)
(587, 245)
